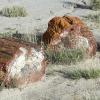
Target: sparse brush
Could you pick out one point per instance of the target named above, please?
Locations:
(95, 4)
(67, 56)
(25, 37)
(13, 11)
(94, 17)
(87, 74)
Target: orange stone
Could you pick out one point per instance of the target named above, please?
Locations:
(68, 30)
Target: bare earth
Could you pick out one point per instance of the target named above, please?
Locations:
(55, 86)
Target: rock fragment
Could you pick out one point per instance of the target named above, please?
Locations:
(20, 61)
(71, 32)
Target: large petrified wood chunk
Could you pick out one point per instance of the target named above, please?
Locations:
(71, 32)
(20, 61)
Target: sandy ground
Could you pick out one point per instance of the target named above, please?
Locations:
(55, 86)
(39, 13)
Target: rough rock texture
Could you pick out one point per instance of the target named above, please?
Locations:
(55, 27)
(71, 32)
(20, 61)
(72, 20)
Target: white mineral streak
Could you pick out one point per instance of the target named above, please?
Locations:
(24, 63)
(82, 42)
(35, 59)
(64, 34)
(18, 63)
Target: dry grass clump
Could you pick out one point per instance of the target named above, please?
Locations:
(87, 74)
(93, 17)
(95, 4)
(34, 38)
(13, 11)
(67, 56)
(87, 69)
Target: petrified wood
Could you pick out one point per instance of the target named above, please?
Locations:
(20, 61)
(69, 31)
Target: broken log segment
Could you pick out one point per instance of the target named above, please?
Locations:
(21, 61)
(72, 33)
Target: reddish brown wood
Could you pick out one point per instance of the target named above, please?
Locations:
(9, 48)
(73, 27)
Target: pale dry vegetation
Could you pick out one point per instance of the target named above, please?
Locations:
(95, 4)
(87, 68)
(13, 11)
(67, 56)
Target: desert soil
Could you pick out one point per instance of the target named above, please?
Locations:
(55, 86)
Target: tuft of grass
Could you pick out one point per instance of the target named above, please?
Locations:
(95, 4)
(34, 38)
(94, 18)
(14, 11)
(87, 74)
(12, 84)
(67, 56)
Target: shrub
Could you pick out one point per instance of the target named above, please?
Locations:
(95, 4)
(13, 11)
(94, 18)
(87, 74)
(67, 56)
(34, 38)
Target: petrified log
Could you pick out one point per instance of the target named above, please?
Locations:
(20, 61)
(71, 32)
(55, 27)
